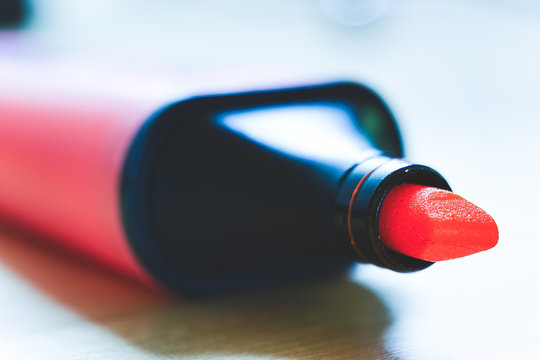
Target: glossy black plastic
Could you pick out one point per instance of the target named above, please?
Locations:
(207, 208)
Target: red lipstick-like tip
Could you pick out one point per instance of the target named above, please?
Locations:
(433, 224)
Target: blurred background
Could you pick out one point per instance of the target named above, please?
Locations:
(463, 79)
(460, 72)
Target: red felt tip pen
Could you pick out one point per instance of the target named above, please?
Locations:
(217, 192)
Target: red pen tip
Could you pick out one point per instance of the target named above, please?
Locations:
(433, 224)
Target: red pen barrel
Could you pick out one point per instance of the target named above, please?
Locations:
(60, 164)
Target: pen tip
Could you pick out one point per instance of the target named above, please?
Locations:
(433, 224)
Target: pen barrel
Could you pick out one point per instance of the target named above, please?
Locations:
(185, 197)
(60, 163)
